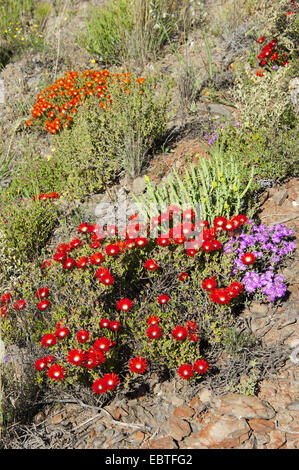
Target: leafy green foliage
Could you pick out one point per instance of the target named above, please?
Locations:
(27, 226)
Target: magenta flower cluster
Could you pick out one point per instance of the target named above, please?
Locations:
(269, 245)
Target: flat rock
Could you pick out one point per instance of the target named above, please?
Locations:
(242, 406)
(226, 433)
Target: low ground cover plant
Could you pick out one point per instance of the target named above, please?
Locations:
(109, 306)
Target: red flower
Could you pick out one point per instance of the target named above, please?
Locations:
(242, 219)
(138, 365)
(111, 381)
(163, 240)
(95, 245)
(261, 39)
(188, 214)
(207, 247)
(84, 228)
(151, 265)
(111, 230)
(141, 241)
(259, 73)
(194, 338)
(75, 357)
(43, 304)
(104, 323)
(236, 287)
(42, 293)
(106, 278)
(99, 386)
(112, 249)
(202, 224)
(63, 248)
(154, 332)
(69, 263)
(56, 372)
(192, 326)
(219, 296)
(49, 359)
(153, 320)
(61, 332)
(201, 366)
(220, 221)
(210, 283)
(248, 258)
(82, 336)
(130, 244)
(209, 234)
(216, 244)
(124, 305)
(59, 257)
(93, 358)
(179, 333)
(185, 371)
(163, 299)
(40, 364)
(114, 325)
(6, 298)
(48, 340)
(100, 272)
(4, 310)
(46, 263)
(20, 304)
(183, 276)
(75, 243)
(191, 252)
(82, 262)
(102, 344)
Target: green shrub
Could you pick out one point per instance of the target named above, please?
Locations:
(26, 226)
(102, 142)
(38, 175)
(272, 153)
(136, 30)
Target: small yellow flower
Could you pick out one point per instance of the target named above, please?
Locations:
(15, 36)
(92, 61)
(214, 184)
(35, 25)
(235, 188)
(49, 158)
(22, 39)
(220, 175)
(17, 29)
(226, 206)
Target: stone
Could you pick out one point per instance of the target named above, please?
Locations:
(277, 439)
(205, 395)
(178, 428)
(165, 442)
(261, 425)
(183, 411)
(57, 418)
(138, 436)
(192, 442)
(261, 309)
(242, 406)
(138, 185)
(293, 406)
(226, 433)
